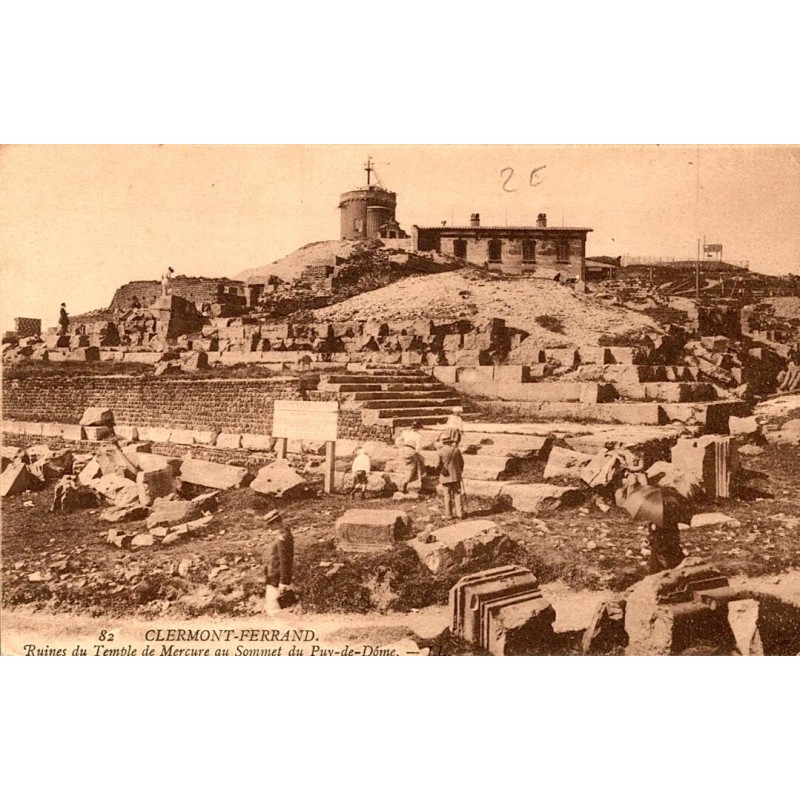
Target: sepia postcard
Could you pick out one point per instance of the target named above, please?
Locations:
(400, 400)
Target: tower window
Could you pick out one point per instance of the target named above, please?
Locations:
(562, 251)
(460, 248)
(495, 250)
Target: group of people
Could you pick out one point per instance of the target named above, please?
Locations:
(450, 467)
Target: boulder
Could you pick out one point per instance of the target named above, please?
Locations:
(97, 416)
(128, 513)
(98, 433)
(257, 441)
(113, 461)
(461, 544)
(564, 463)
(606, 631)
(172, 512)
(369, 530)
(742, 426)
(16, 478)
(665, 473)
(665, 613)
(53, 465)
(278, 479)
(750, 450)
(194, 361)
(143, 540)
(713, 518)
(536, 498)
(119, 491)
(90, 472)
(152, 461)
(211, 474)
(129, 432)
(154, 483)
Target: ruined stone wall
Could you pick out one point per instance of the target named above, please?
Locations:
(229, 406)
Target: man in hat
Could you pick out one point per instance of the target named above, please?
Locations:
(451, 473)
(409, 444)
(278, 561)
(454, 427)
(63, 320)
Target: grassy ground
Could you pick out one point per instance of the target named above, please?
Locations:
(221, 571)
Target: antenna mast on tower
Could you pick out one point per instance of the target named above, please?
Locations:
(369, 167)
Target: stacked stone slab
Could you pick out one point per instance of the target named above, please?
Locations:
(502, 611)
(392, 397)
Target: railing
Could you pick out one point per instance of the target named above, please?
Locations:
(666, 261)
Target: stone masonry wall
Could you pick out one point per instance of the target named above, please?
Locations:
(228, 406)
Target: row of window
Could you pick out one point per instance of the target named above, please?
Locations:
(496, 250)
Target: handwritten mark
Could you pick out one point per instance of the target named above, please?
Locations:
(534, 178)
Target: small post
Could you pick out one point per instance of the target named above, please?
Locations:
(282, 447)
(330, 461)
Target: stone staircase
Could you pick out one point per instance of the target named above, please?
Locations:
(394, 396)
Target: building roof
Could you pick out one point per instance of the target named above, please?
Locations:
(510, 228)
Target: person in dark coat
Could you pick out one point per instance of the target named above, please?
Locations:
(278, 562)
(63, 320)
(665, 546)
(451, 472)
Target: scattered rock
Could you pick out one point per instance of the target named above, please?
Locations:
(713, 518)
(127, 513)
(16, 479)
(536, 498)
(117, 490)
(143, 540)
(97, 416)
(367, 530)
(211, 474)
(751, 450)
(278, 479)
(155, 483)
(460, 544)
(563, 463)
(172, 512)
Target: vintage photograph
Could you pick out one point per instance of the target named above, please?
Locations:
(400, 400)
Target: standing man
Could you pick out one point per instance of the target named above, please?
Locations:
(63, 320)
(451, 473)
(278, 562)
(409, 444)
(665, 546)
(166, 279)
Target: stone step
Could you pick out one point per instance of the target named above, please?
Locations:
(383, 413)
(450, 401)
(377, 378)
(332, 386)
(404, 422)
(437, 394)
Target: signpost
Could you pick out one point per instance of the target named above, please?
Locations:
(310, 421)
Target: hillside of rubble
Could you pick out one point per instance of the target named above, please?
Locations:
(552, 314)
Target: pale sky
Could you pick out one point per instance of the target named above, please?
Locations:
(78, 221)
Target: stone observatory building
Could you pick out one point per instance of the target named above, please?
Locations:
(369, 212)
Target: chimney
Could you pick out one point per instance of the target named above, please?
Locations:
(475, 220)
(541, 221)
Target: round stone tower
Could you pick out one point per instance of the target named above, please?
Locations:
(368, 212)
(365, 211)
